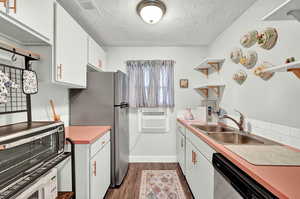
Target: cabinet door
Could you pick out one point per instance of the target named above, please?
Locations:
(70, 50)
(35, 14)
(96, 55)
(180, 146)
(100, 173)
(201, 178)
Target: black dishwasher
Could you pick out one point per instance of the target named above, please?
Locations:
(231, 182)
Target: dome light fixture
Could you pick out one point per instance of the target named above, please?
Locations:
(151, 11)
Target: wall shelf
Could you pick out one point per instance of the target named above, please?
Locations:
(291, 67)
(289, 10)
(216, 88)
(210, 63)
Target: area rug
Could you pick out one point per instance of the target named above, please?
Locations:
(161, 184)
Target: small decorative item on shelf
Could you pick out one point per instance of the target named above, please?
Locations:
(290, 60)
(258, 71)
(249, 59)
(249, 39)
(188, 115)
(236, 55)
(29, 81)
(267, 38)
(5, 83)
(240, 77)
(184, 83)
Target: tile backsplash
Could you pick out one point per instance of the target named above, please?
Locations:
(279, 133)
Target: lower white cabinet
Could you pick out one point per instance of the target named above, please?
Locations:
(93, 168)
(199, 173)
(196, 163)
(180, 149)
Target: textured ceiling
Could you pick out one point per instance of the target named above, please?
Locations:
(187, 22)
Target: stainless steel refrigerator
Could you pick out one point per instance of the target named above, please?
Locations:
(105, 102)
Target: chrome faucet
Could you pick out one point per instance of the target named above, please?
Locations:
(240, 124)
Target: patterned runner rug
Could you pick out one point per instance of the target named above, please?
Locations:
(161, 184)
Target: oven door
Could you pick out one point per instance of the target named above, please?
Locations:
(22, 156)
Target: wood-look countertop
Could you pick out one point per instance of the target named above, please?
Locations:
(282, 181)
(86, 134)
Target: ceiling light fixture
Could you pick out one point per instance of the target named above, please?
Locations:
(151, 11)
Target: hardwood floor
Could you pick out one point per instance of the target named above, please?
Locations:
(131, 184)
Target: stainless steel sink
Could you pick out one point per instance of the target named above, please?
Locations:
(234, 138)
(213, 128)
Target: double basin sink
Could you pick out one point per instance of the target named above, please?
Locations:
(231, 136)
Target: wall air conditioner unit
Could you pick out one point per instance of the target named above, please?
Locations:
(153, 120)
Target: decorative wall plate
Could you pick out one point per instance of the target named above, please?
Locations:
(258, 71)
(30, 83)
(249, 39)
(267, 39)
(236, 55)
(249, 59)
(240, 76)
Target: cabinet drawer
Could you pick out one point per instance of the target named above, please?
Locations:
(204, 148)
(98, 144)
(181, 128)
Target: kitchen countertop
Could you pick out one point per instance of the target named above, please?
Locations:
(86, 134)
(282, 181)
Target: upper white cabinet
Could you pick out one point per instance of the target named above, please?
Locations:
(27, 21)
(70, 50)
(96, 55)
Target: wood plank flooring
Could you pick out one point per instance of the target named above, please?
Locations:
(131, 184)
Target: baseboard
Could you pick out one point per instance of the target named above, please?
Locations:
(167, 159)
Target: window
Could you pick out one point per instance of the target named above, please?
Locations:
(151, 83)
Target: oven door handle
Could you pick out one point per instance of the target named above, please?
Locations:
(26, 140)
(34, 168)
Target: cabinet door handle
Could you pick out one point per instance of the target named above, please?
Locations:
(194, 157)
(95, 168)
(8, 7)
(99, 63)
(181, 143)
(59, 71)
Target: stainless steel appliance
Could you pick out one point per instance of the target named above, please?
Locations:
(28, 150)
(105, 102)
(231, 182)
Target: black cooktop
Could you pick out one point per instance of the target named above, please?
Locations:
(22, 126)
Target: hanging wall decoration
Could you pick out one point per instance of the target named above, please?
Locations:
(249, 39)
(236, 55)
(184, 83)
(240, 77)
(249, 59)
(267, 39)
(259, 71)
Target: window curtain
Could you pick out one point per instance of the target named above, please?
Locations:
(151, 83)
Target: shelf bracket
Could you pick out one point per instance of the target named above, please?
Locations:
(204, 91)
(296, 71)
(215, 66)
(204, 71)
(216, 90)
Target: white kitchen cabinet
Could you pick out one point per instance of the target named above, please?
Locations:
(93, 168)
(180, 148)
(30, 23)
(96, 55)
(200, 173)
(70, 53)
(35, 14)
(100, 173)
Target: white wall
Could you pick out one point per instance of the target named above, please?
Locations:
(40, 101)
(160, 147)
(276, 100)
